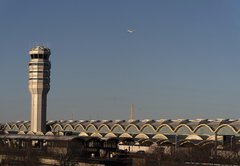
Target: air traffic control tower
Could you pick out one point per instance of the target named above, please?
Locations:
(39, 85)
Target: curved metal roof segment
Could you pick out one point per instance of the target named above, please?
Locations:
(146, 126)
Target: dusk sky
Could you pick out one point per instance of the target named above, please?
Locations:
(182, 60)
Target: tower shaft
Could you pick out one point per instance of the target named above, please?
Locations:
(39, 110)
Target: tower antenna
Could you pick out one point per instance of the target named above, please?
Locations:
(132, 112)
(73, 114)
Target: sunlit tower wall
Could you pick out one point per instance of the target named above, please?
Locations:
(39, 85)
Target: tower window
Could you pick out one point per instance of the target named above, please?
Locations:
(44, 79)
(39, 56)
(45, 56)
(40, 64)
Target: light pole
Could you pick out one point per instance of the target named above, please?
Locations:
(231, 143)
(176, 142)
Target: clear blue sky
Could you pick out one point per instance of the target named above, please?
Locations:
(183, 60)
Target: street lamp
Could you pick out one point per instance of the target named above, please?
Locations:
(231, 143)
(176, 142)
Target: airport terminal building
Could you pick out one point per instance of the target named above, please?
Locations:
(157, 130)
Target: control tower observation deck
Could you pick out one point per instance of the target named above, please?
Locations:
(39, 85)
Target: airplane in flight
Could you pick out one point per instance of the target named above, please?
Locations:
(130, 30)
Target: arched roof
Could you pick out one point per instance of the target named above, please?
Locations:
(203, 126)
(103, 128)
(183, 126)
(49, 133)
(60, 133)
(159, 137)
(57, 128)
(68, 127)
(39, 133)
(148, 129)
(96, 135)
(91, 128)
(236, 125)
(146, 142)
(83, 134)
(209, 143)
(213, 138)
(120, 128)
(21, 132)
(7, 127)
(164, 143)
(134, 127)
(79, 127)
(22, 127)
(165, 129)
(30, 133)
(125, 135)
(14, 127)
(142, 136)
(231, 129)
(186, 143)
(193, 137)
(110, 135)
